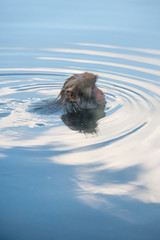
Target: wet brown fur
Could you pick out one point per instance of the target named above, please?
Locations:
(80, 86)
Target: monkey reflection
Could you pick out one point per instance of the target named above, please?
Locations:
(80, 102)
(84, 121)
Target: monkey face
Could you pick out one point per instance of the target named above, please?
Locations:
(98, 94)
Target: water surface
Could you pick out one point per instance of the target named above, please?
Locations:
(57, 182)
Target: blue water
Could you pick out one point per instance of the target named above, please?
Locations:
(57, 182)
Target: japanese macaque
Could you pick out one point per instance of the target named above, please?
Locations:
(79, 102)
(80, 92)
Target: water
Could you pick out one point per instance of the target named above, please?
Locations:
(58, 182)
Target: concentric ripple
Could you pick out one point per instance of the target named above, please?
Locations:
(127, 136)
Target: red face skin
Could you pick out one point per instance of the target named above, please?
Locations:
(99, 95)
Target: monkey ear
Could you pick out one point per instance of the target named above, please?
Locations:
(70, 96)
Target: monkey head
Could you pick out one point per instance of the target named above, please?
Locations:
(81, 92)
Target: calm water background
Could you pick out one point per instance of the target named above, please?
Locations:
(61, 184)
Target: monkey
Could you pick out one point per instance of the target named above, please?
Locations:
(80, 102)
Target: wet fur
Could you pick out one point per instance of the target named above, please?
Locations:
(81, 87)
